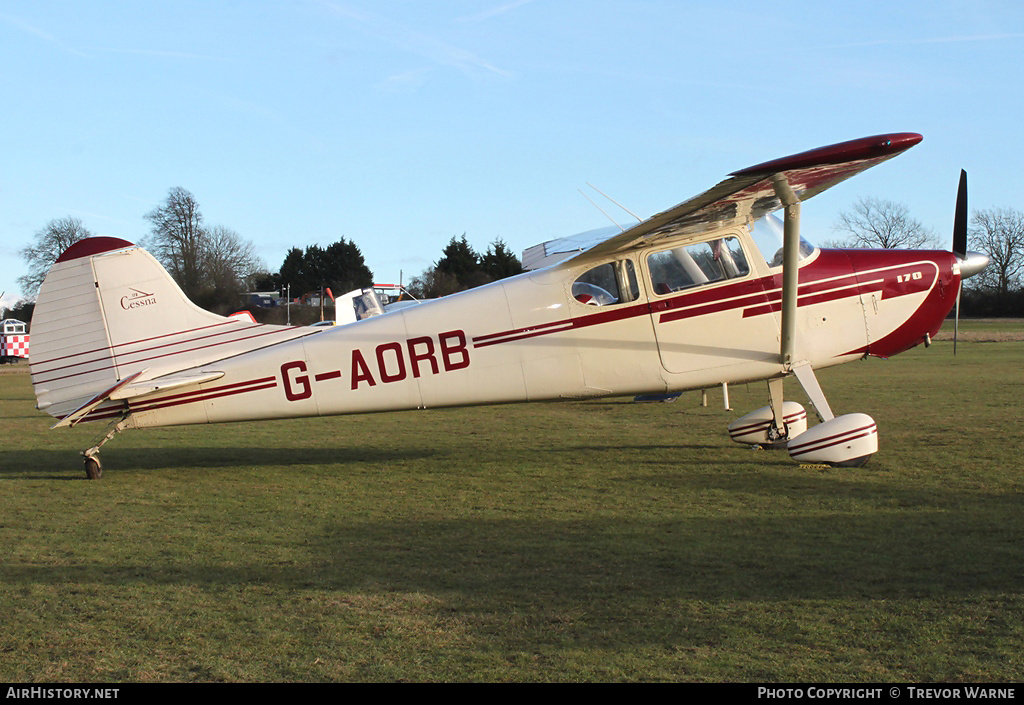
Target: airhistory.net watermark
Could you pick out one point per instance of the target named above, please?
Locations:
(48, 693)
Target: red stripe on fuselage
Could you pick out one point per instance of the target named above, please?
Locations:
(111, 348)
(204, 394)
(121, 359)
(182, 398)
(829, 278)
(603, 316)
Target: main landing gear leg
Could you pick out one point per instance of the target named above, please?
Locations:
(93, 466)
(778, 430)
(772, 426)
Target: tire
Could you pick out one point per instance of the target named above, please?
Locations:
(93, 468)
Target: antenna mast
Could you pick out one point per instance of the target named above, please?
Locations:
(638, 218)
(602, 210)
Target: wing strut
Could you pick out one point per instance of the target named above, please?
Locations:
(790, 266)
(790, 284)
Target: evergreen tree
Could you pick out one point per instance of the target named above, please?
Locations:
(432, 284)
(339, 267)
(500, 262)
(461, 268)
(313, 268)
(461, 261)
(344, 267)
(292, 272)
(267, 281)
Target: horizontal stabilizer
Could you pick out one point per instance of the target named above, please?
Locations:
(141, 389)
(80, 413)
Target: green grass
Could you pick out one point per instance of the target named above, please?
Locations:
(986, 324)
(592, 541)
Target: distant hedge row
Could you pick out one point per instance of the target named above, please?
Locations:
(990, 304)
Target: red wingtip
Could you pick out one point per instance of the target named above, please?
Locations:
(93, 246)
(854, 150)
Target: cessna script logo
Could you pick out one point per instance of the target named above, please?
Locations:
(137, 299)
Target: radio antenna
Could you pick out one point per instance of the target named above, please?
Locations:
(602, 210)
(638, 218)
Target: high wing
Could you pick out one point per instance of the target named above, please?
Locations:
(747, 195)
(560, 249)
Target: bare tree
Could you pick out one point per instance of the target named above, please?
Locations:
(999, 232)
(229, 264)
(176, 239)
(873, 222)
(49, 243)
(433, 283)
(212, 266)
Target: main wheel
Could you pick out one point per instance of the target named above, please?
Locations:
(93, 468)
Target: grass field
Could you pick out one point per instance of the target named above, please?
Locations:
(591, 541)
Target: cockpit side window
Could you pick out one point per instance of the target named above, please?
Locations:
(697, 264)
(607, 284)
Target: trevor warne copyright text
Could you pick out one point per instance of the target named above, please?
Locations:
(965, 692)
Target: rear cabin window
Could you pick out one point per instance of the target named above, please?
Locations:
(698, 264)
(608, 284)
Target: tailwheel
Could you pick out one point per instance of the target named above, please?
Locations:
(93, 467)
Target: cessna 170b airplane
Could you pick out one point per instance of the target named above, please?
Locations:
(715, 290)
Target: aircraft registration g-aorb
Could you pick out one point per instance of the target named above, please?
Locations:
(713, 290)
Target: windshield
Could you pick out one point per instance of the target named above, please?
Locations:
(767, 234)
(367, 304)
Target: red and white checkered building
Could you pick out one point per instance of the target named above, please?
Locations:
(13, 339)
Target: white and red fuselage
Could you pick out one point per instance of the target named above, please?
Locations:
(528, 338)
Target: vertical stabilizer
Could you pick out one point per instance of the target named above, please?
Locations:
(72, 357)
(108, 311)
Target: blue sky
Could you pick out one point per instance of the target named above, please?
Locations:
(399, 124)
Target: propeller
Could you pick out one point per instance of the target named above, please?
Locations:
(970, 262)
(959, 246)
(960, 219)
